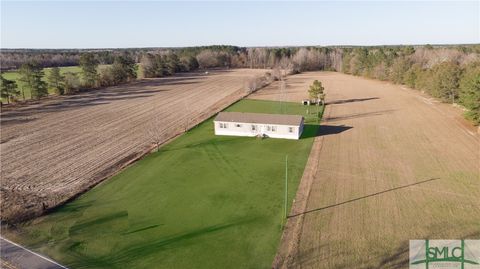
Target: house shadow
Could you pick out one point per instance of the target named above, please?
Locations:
(312, 130)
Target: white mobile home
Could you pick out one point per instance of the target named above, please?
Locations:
(257, 124)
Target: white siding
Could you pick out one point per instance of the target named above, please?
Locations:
(245, 129)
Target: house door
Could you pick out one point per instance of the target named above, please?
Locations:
(255, 130)
(262, 129)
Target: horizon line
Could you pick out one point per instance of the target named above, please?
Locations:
(273, 46)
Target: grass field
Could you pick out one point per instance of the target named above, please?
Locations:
(203, 201)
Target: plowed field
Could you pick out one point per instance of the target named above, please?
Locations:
(53, 150)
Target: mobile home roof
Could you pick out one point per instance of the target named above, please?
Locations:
(259, 118)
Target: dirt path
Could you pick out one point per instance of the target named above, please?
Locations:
(391, 165)
(56, 149)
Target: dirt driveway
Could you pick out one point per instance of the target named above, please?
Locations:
(389, 165)
(58, 148)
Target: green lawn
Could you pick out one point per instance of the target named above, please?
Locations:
(203, 201)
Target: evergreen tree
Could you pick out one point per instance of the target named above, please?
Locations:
(72, 82)
(445, 81)
(31, 75)
(398, 70)
(56, 81)
(123, 70)
(89, 65)
(193, 63)
(8, 89)
(316, 91)
(172, 63)
(411, 76)
(470, 93)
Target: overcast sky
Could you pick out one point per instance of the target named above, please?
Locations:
(94, 24)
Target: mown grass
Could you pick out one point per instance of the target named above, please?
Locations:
(202, 201)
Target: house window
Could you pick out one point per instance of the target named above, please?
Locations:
(238, 125)
(254, 127)
(271, 128)
(223, 125)
(290, 129)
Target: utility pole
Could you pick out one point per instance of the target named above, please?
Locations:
(286, 187)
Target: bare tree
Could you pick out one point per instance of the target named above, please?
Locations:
(262, 57)
(155, 132)
(277, 73)
(286, 66)
(207, 59)
(335, 59)
(251, 57)
(187, 118)
(283, 96)
(251, 84)
(300, 59)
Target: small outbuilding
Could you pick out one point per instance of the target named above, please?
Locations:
(308, 102)
(259, 124)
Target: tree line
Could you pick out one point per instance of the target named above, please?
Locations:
(31, 76)
(450, 73)
(206, 56)
(12, 59)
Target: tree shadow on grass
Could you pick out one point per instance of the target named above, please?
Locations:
(78, 228)
(142, 229)
(141, 250)
(213, 141)
(75, 207)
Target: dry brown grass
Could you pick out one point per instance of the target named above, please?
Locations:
(56, 149)
(391, 165)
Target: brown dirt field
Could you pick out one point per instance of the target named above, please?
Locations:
(389, 165)
(296, 90)
(55, 149)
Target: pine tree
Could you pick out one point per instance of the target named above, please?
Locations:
(316, 91)
(445, 80)
(470, 93)
(8, 89)
(123, 69)
(89, 65)
(31, 75)
(56, 81)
